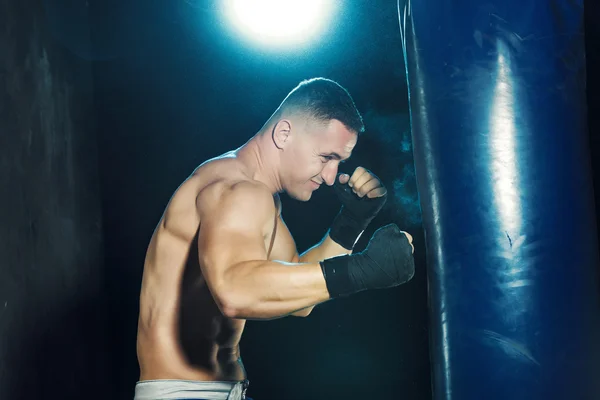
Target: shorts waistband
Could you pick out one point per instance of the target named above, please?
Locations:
(172, 389)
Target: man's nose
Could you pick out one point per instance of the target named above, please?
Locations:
(329, 173)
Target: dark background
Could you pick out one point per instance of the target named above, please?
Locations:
(105, 107)
(188, 90)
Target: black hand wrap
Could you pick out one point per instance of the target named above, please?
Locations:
(386, 262)
(355, 215)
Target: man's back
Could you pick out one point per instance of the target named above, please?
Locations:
(182, 333)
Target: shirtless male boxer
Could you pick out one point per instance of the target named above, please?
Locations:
(221, 254)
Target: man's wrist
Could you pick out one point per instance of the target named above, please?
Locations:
(337, 278)
(346, 229)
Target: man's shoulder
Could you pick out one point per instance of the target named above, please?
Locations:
(243, 194)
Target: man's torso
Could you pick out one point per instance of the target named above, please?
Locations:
(181, 332)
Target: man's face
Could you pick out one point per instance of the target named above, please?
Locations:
(315, 156)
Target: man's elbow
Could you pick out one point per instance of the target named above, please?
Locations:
(304, 312)
(301, 314)
(229, 311)
(234, 311)
(230, 304)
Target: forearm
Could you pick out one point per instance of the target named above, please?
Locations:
(327, 248)
(322, 251)
(269, 290)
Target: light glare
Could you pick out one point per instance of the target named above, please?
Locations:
(279, 21)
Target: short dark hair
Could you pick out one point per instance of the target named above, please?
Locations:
(324, 100)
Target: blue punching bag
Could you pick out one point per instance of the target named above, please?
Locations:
(498, 115)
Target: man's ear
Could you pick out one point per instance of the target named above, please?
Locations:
(282, 133)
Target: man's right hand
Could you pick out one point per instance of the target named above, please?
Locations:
(386, 262)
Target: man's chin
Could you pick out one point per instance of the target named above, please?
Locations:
(301, 196)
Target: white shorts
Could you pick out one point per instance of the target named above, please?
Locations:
(170, 389)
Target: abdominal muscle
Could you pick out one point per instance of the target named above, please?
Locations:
(203, 345)
(182, 334)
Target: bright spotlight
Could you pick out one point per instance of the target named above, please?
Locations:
(279, 22)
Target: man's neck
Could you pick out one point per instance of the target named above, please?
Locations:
(261, 161)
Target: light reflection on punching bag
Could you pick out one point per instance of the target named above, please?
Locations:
(498, 118)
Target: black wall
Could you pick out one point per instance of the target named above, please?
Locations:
(592, 33)
(52, 304)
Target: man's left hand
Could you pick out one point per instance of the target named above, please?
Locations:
(364, 183)
(362, 196)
